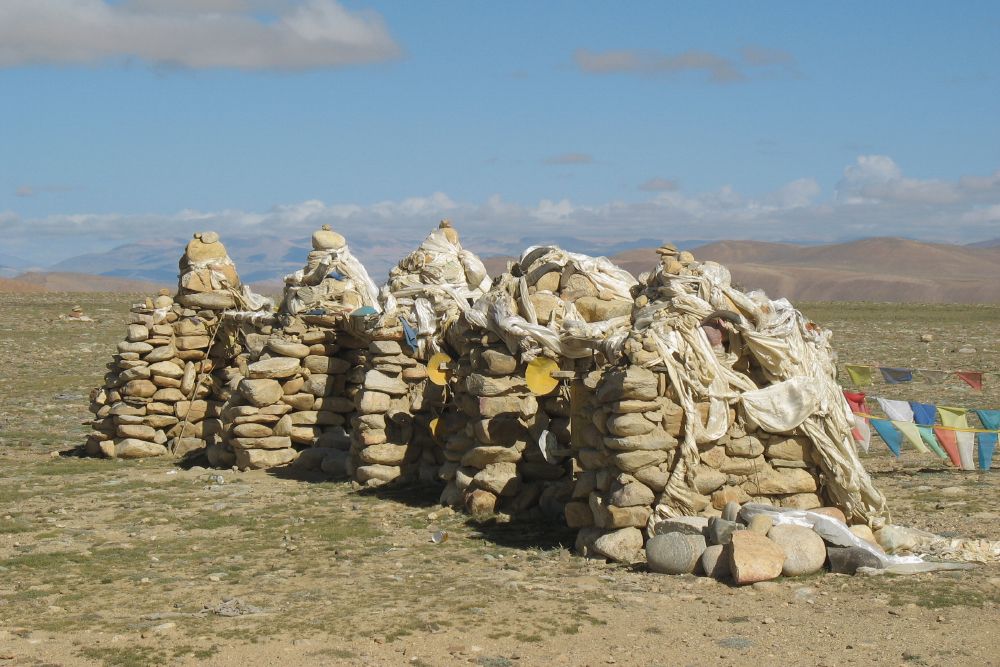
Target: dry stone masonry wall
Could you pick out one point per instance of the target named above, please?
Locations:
(673, 397)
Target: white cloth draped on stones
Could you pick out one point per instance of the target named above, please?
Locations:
(308, 287)
(567, 334)
(786, 347)
(432, 287)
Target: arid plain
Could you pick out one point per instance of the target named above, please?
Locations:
(148, 563)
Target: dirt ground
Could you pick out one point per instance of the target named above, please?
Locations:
(146, 563)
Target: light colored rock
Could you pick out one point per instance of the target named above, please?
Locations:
(793, 448)
(138, 348)
(377, 472)
(805, 551)
(688, 525)
(139, 388)
(674, 553)
(166, 369)
(621, 545)
(273, 368)
(629, 424)
(137, 333)
(655, 477)
(760, 524)
(633, 461)
(715, 561)
(708, 480)
(325, 239)
(753, 558)
(377, 381)
(748, 445)
(633, 494)
(480, 457)
(480, 503)
(834, 513)
(253, 430)
(288, 349)
(781, 482)
(260, 459)
(802, 501)
(385, 454)
(657, 439)
(260, 393)
(372, 402)
(500, 479)
(316, 363)
(131, 448)
(138, 431)
(631, 382)
(594, 309)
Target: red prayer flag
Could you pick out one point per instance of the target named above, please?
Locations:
(857, 402)
(975, 380)
(949, 441)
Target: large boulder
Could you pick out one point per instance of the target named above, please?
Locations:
(753, 558)
(805, 550)
(674, 553)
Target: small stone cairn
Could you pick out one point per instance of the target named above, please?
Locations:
(160, 395)
(493, 438)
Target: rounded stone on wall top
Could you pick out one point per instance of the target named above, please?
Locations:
(325, 239)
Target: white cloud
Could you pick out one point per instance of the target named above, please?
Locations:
(569, 158)
(718, 68)
(875, 198)
(657, 184)
(192, 33)
(877, 178)
(800, 192)
(645, 61)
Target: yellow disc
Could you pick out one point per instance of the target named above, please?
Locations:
(436, 431)
(434, 372)
(539, 376)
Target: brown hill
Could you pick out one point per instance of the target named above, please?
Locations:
(876, 269)
(11, 285)
(59, 281)
(497, 265)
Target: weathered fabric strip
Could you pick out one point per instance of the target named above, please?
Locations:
(927, 433)
(975, 380)
(935, 377)
(892, 437)
(912, 433)
(966, 449)
(860, 375)
(896, 410)
(950, 444)
(896, 375)
(924, 414)
(954, 417)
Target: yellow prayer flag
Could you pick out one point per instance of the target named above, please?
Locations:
(912, 433)
(953, 417)
(860, 375)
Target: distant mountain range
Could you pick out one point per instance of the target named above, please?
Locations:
(877, 269)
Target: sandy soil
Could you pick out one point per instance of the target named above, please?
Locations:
(147, 563)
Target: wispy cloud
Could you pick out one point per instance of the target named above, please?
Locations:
(31, 190)
(719, 69)
(657, 184)
(569, 158)
(874, 198)
(774, 63)
(192, 34)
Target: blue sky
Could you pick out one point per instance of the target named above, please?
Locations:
(774, 121)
